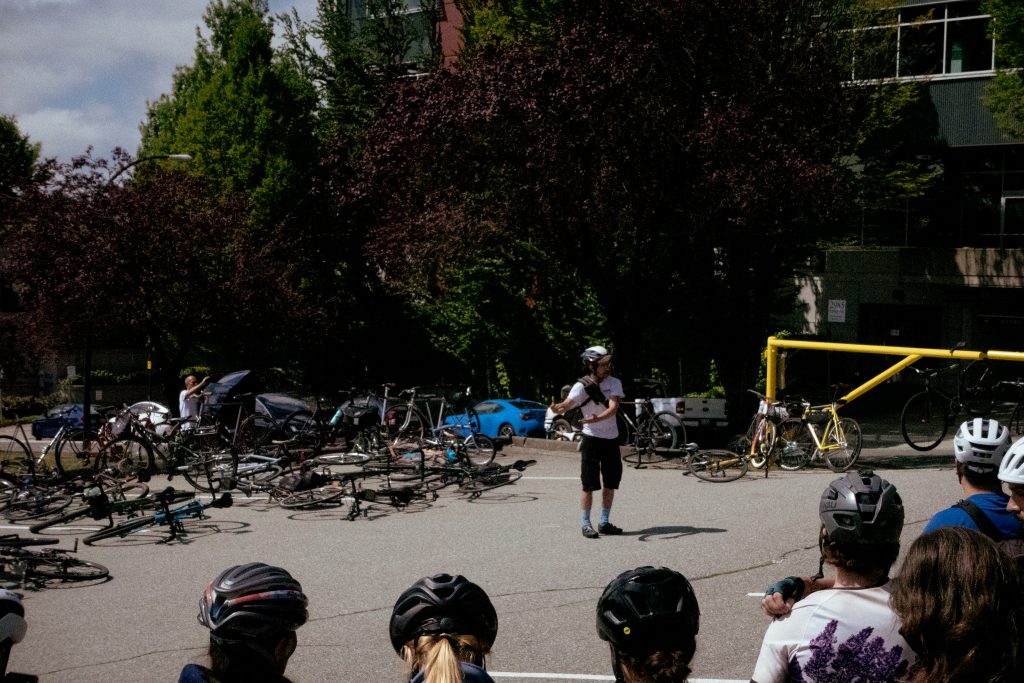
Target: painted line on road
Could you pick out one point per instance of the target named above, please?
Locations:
(591, 677)
(556, 479)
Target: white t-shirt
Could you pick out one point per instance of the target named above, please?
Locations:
(188, 406)
(602, 429)
(841, 634)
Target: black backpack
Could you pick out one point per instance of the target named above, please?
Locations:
(1014, 547)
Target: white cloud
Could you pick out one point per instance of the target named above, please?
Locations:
(79, 72)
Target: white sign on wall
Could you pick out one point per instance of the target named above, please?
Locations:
(837, 310)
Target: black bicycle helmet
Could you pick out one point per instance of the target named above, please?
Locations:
(252, 601)
(443, 604)
(861, 507)
(647, 609)
(12, 618)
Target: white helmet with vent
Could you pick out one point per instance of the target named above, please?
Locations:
(981, 444)
(1011, 469)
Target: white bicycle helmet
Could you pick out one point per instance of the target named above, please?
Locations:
(981, 444)
(12, 617)
(1011, 469)
(594, 353)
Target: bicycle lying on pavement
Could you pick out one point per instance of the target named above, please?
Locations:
(47, 564)
(173, 518)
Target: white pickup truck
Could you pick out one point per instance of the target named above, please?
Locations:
(694, 411)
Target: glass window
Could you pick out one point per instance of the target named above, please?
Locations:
(919, 13)
(487, 408)
(921, 50)
(964, 9)
(967, 47)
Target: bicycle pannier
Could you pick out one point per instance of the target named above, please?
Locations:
(818, 417)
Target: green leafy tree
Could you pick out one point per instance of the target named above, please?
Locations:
(491, 23)
(1006, 94)
(245, 115)
(18, 161)
(652, 177)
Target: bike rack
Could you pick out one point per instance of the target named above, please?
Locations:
(911, 355)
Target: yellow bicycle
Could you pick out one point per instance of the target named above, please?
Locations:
(820, 434)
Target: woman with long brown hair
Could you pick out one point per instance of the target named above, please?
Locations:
(959, 600)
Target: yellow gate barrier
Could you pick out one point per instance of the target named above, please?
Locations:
(912, 355)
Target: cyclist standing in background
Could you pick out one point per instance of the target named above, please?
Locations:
(597, 394)
(188, 400)
(979, 447)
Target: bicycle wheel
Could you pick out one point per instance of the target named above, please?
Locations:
(667, 430)
(255, 434)
(717, 465)
(976, 382)
(561, 429)
(121, 530)
(302, 429)
(15, 456)
(127, 457)
(1016, 424)
(765, 435)
(35, 502)
(479, 449)
(925, 420)
(312, 498)
(67, 569)
(75, 455)
(257, 474)
(209, 472)
(342, 459)
(479, 482)
(64, 518)
(403, 423)
(841, 444)
(794, 446)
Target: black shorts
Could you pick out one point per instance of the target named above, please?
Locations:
(600, 462)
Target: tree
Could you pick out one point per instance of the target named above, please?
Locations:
(493, 23)
(18, 159)
(652, 177)
(154, 263)
(1006, 94)
(246, 116)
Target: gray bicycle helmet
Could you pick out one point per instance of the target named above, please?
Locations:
(980, 444)
(1011, 469)
(253, 601)
(648, 609)
(861, 507)
(594, 354)
(443, 603)
(13, 626)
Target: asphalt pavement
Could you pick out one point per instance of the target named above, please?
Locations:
(521, 543)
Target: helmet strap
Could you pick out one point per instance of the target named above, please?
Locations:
(616, 665)
(821, 558)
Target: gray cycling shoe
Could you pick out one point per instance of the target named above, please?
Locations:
(588, 532)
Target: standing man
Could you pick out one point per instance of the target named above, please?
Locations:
(597, 394)
(188, 400)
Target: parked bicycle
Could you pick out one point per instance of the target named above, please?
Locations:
(759, 440)
(47, 564)
(651, 435)
(17, 458)
(928, 414)
(1015, 423)
(819, 434)
(172, 518)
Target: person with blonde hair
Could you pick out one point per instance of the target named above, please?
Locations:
(959, 601)
(443, 626)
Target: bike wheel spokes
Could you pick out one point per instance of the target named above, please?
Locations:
(976, 388)
(841, 444)
(15, 457)
(717, 465)
(794, 446)
(64, 568)
(925, 420)
(477, 483)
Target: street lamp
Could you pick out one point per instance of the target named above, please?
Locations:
(87, 364)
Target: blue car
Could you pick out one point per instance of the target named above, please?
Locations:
(47, 426)
(508, 417)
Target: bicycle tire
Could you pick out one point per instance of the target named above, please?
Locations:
(479, 449)
(33, 503)
(403, 423)
(313, 498)
(120, 530)
(302, 429)
(255, 434)
(72, 458)
(848, 440)
(479, 482)
(671, 422)
(641, 458)
(15, 457)
(976, 388)
(67, 569)
(766, 435)
(924, 420)
(794, 446)
(128, 457)
(69, 516)
(259, 475)
(717, 465)
(210, 471)
(349, 458)
(561, 429)
(1016, 424)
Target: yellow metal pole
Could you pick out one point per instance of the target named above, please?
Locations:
(769, 382)
(881, 377)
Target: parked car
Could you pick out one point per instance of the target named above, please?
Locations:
(280, 405)
(508, 417)
(47, 426)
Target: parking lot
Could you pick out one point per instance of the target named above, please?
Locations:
(521, 543)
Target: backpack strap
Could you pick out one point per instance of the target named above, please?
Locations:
(593, 390)
(985, 525)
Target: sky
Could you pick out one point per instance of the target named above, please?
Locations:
(78, 73)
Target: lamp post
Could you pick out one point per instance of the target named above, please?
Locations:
(87, 361)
